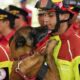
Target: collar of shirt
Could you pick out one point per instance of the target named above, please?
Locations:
(76, 26)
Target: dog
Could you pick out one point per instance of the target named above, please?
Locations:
(32, 56)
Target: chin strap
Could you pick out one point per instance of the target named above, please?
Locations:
(61, 21)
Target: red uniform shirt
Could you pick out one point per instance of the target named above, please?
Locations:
(4, 47)
(4, 41)
(70, 47)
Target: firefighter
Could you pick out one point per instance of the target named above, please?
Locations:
(77, 19)
(43, 22)
(22, 20)
(23, 4)
(7, 30)
(76, 59)
(41, 17)
(67, 48)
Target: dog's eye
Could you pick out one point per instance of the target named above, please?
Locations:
(29, 41)
(20, 41)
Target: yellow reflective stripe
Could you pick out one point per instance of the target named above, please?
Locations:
(65, 70)
(57, 47)
(64, 62)
(76, 62)
(64, 65)
(6, 64)
(55, 37)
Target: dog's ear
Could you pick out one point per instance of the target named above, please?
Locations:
(20, 41)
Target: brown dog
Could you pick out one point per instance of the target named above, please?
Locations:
(28, 60)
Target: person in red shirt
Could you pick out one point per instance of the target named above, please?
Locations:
(23, 4)
(7, 30)
(41, 16)
(76, 19)
(22, 20)
(67, 54)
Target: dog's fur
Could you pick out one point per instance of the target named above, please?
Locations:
(31, 64)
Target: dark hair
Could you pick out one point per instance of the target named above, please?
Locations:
(25, 19)
(12, 22)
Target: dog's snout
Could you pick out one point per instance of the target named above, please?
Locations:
(20, 41)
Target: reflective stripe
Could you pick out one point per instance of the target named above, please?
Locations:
(76, 63)
(5, 52)
(69, 49)
(77, 35)
(57, 47)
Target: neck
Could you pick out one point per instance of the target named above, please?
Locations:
(63, 28)
(6, 31)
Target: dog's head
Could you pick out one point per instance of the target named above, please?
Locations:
(26, 40)
(22, 43)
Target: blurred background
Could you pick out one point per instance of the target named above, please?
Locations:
(30, 5)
